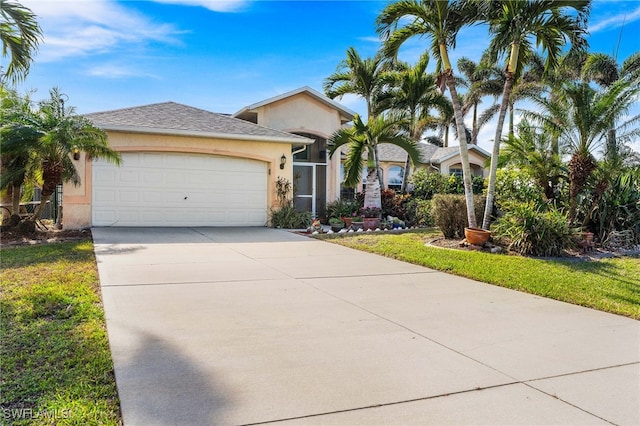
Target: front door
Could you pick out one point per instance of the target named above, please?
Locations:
(310, 188)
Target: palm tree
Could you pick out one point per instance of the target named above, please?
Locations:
(65, 133)
(20, 34)
(414, 94)
(604, 70)
(361, 140)
(19, 138)
(532, 151)
(440, 21)
(514, 24)
(480, 81)
(582, 118)
(361, 77)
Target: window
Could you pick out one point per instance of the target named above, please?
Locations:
(455, 172)
(396, 176)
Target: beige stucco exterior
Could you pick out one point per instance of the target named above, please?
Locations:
(303, 112)
(77, 199)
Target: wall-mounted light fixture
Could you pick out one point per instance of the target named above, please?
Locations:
(76, 154)
(283, 161)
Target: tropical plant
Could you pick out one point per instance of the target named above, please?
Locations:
(582, 117)
(535, 230)
(514, 25)
(616, 206)
(531, 151)
(20, 35)
(342, 208)
(604, 70)
(65, 133)
(19, 139)
(288, 217)
(362, 77)
(414, 93)
(480, 80)
(440, 21)
(362, 140)
(515, 185)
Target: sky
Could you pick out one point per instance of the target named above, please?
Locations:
(224, 55)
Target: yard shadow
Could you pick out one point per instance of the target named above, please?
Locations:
(159, 385)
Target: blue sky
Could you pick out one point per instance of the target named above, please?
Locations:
(224, 55)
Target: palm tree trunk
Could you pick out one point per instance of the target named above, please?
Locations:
(464, 152)
(372, 196)
(38, 211)
(474, 126)
(16, 195)
(405, 176)
(491, 189)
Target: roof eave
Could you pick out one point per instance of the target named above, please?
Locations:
(210, 135)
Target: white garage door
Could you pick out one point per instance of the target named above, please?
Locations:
(168, 189)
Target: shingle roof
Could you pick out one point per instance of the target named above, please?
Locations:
(428, 152)
(175, 118)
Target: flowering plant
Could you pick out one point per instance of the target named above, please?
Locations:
(355, 217)
(370, 212)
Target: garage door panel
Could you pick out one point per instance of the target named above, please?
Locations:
(149, 189)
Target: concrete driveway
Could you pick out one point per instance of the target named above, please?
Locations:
(212, 326)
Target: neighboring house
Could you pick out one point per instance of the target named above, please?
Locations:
(435, 159)
(183, 166)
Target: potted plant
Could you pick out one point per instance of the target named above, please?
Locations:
(476, 236)
(336, 224)
(371, 217)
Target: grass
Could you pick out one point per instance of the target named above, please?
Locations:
(610, 285)
(56, 364)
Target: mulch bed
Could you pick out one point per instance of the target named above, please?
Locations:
(51, 235)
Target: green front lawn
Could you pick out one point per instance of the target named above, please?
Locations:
(56, 364)
(610, 285)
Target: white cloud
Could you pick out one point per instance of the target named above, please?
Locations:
(115, 71)
(88, 27)
(213, 5)
(615, 21)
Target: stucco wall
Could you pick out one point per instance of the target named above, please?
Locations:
(304, 113)
(476, 161)
(77, 199)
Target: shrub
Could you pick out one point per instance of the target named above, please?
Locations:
(426, 184)
(535, 230)
(418, 213)
(287, 217)
(513, 185)
(450, 213)
(394, 204)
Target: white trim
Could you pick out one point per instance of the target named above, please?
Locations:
(453, 154)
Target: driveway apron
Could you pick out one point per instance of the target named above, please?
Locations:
(236, 326)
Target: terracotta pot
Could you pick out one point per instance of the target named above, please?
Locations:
(476, 236)
(347, 221)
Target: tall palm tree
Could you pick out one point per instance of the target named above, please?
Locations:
(582, 117)
(414, 94)
(20, 34)
(64, 134)
(480, 80)
(440, 21)
(604, 70)
(361, 140)
(362, 77)
(514, 25)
